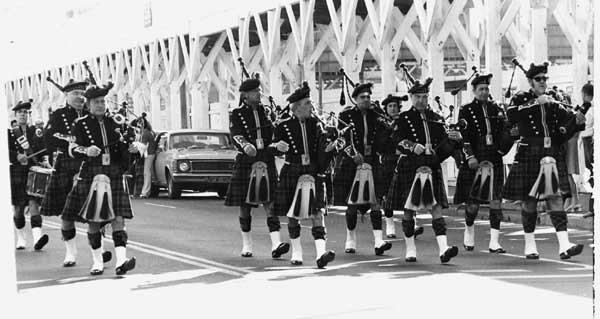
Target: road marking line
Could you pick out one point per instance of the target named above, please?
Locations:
(541, 276)
(159, 205)
(173, 255)
(573, 269)
(583, 266)
(482, 271)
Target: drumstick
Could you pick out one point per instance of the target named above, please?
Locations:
(36, 153)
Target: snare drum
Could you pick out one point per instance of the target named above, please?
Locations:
(38, 179)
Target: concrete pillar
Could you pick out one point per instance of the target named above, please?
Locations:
(154, 114)
(493, 48)
(174, 107)
(388, 69)
(200, 105)
(539, 31)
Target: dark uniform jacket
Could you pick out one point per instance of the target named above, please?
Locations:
(246, 126)
(88, 131)
(538, 121)
(485, 124)
(61, 122)
(411, 129)
(375, 129)
(311, 140)
(35, 140)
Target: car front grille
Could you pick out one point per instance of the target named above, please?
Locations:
(204, 166)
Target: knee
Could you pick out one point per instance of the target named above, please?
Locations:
(408, 215)
(118, 224)
(36, 221)
(245, 211)
(120, 238)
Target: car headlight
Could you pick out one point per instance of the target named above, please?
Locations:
(184, 166)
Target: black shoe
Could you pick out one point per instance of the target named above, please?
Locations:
(573, 251)
(296, 262)
(247, 254)
(96, 272)
(497, 251)
(280, 250)
(128, 265)
(410, 259)
(452, 251)
(418, 231)
(106, 256)
(468, 248)
(386, 246)
(391, 236)
(41, 242)
(350, 250)
(326, 258)
(69, 264)
(532, 256)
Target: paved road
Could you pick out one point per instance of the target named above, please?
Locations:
(195, 240)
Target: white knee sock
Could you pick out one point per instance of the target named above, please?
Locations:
(563, 241)
(275, 239)
(320, 247)
(350, 239)
(71, 249)
(296, 249)
(36, 232)
(390, 227)
(378, 237)
(494, 235)
(469, 238)
(21, 242)
(530, 246)
(98, 264)
(121, 253)
(411, 248)
(246, 242)
(442, 241)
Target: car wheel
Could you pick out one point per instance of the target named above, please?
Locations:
(173, 190)
(154, 190)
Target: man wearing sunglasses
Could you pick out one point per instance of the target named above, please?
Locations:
(362, 147)
(539, 171)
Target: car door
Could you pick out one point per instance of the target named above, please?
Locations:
(160, 161)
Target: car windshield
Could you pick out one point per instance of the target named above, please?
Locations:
(208, 141)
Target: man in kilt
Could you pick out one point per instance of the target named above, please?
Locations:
(57, 136)
(486, 123)
(419, 134)
(302, 139)
(24, 140)
(251, 131)
(104, 153)
(362, 142)
(389, 157)
(540, 123)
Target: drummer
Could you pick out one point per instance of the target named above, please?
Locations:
(23, 144)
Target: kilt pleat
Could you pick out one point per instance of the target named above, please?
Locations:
(406, 170)
(466, 175)
(526, 168)
(286, 187)
(18, 184)
(77, 196)
(238, 184)
(60, 184)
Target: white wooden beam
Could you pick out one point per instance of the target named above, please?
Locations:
(212, 55)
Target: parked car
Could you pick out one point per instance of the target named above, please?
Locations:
(187, 159)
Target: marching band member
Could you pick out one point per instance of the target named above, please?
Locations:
(24, 141)
(587, 137)
(57, 136)
(481, 176)
(353, 182)
(254, 175)
(418, 134)
(98, 196)
(539, 171)
(298, 196)
(389, 157)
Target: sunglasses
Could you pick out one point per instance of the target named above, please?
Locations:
(541, 78)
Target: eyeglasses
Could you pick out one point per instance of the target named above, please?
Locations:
(541, 78)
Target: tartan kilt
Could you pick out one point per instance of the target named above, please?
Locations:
(76, 198)
(18, 184)
(136, 183)
(403, 179)
(288, 180)
(465, 177)
(526, 168)
(238, 184)
(343, 177)
(61, 183)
